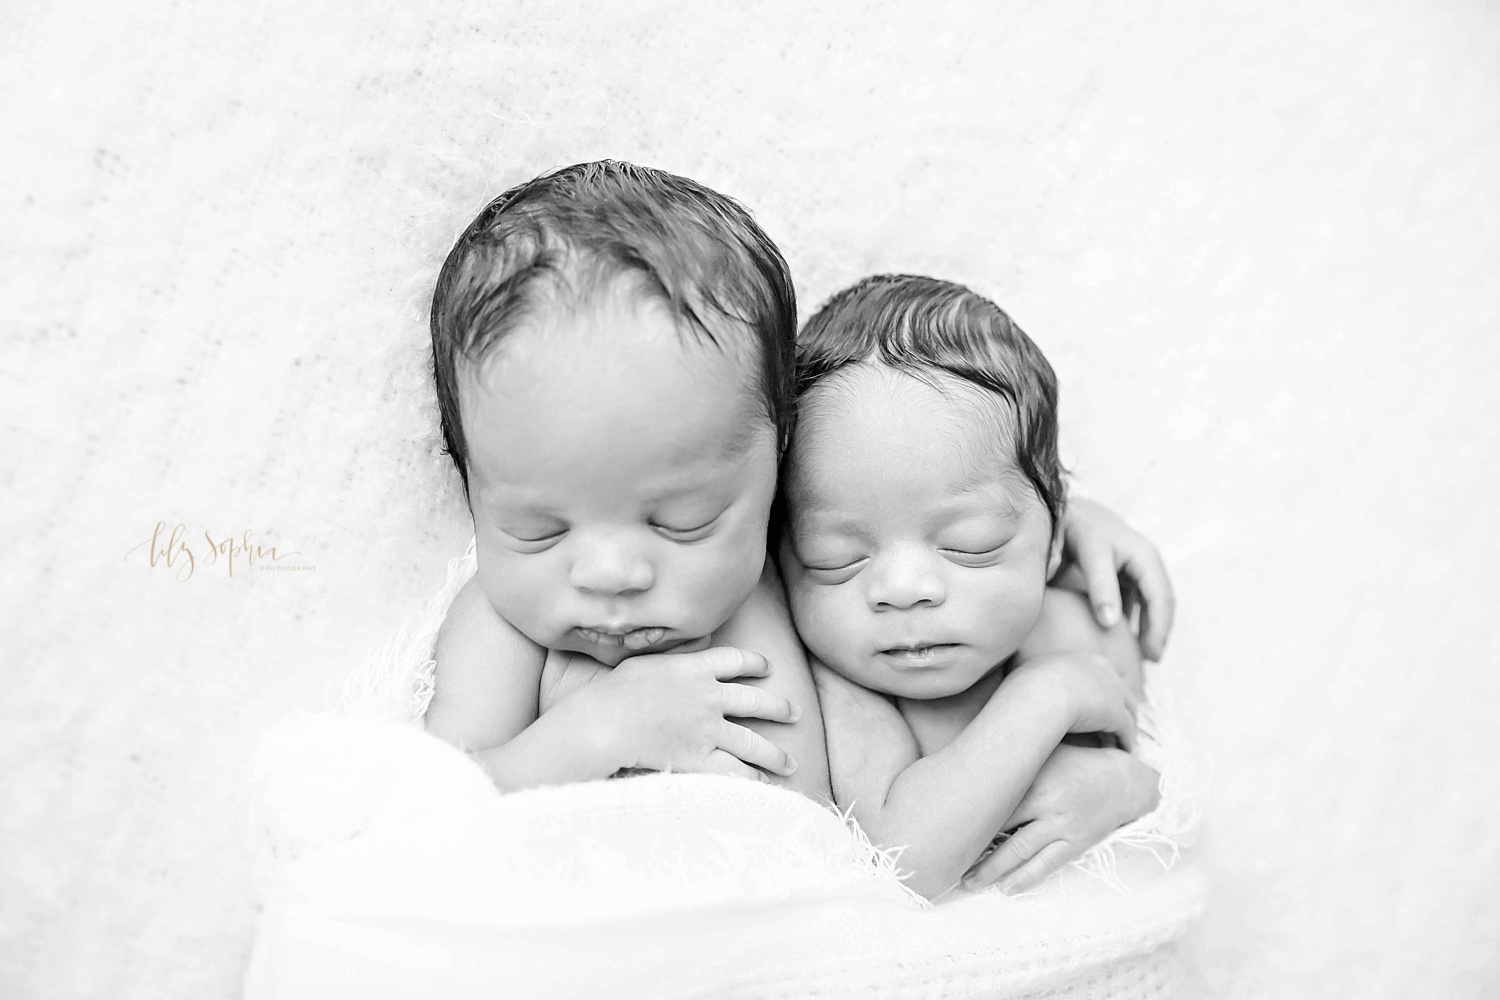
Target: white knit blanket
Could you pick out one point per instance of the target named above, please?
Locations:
(399, 870)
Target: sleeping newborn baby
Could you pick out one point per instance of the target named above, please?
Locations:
(612, 348)
(924, 503)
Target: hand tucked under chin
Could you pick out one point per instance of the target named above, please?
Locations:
(565, 671)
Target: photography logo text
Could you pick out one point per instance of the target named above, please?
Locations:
(175, 550)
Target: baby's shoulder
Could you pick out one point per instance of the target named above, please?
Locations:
(1066, 622)
(472, 628)
(764, 615)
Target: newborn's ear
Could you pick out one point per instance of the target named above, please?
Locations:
(1054, 559)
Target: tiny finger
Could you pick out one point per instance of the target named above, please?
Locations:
(730, 662)
(1101, 577)
(741, 701)
(719, 762)
(1030, 875)
(1158, 603)
(753, 748)
(1014, 851)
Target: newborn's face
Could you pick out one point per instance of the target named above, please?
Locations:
(621, 479)
(918, 554)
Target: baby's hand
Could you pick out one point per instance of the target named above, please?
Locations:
(1078, 799)
(1087, 689)
(671, 712)
(1100, 552)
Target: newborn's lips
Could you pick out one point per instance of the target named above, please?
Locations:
(917, 653)
(630, 638)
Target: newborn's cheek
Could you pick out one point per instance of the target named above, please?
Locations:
(715, 591)
(826, 630)
(519, 597)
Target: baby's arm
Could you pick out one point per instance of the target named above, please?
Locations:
(944, 808)
(665, 711)
(487, 676)
(485, 702)
(1083, 793)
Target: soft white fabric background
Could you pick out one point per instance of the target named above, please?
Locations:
(1260, 244)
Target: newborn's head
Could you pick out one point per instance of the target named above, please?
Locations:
(923, 490)
(612, 349)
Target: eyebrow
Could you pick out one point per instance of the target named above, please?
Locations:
(494, 499)
(743, 437)
(499, 496)
(997, 487)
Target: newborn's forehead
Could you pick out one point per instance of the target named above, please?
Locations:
(621, 381)
(873, 436)
(886, 412)
(618, 327)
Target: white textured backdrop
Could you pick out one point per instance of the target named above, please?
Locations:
(1260, 243)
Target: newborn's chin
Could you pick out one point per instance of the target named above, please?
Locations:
(921, 675)
(924, 688)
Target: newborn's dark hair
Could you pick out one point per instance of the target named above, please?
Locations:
(565, 236)
(922, 325)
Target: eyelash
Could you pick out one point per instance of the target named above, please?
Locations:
(672, 534)
(680, 535)
(836, 569)
(541, 544)
(961, 554)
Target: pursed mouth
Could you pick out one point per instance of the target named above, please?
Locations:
(918, 652)
(626, 638)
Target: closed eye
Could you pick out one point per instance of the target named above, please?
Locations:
(693, 534)
(533, 541)
(973, 557)
(834, 569)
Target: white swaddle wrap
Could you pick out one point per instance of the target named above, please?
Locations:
(393, 867)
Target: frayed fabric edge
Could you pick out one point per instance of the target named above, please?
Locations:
(395, 683)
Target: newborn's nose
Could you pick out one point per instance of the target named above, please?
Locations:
(609, 568)
(899, 581)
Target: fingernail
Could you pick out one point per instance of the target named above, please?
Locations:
(972, 882)
(1108, 615)
(796, 713)
(791, 765)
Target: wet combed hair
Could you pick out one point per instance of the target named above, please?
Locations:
(922, 325)
(570, 234)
